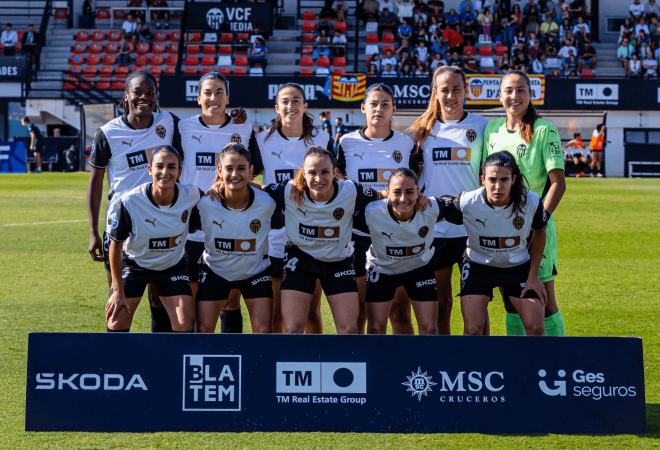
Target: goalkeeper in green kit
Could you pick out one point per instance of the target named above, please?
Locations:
(536, 145)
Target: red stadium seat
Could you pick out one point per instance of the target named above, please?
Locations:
(372, 38)
(111, 47)
(141, 60)
(98, 36)
(208, 61)
(156, 60)
(554, 73)
(240, 61)
(103, 85)
(114, 36)
(309, 15)
(224, 70)
(109, 60)
(191, 61)
(118, 14)
(207, 70)
(192, 49)
(190, 71)
(158, 48)
(240, 72)
(20, 34)
(105, 71)
(173, 48)
(75, 70)
(93, 59)
(142, 48)
(155, 71)
(79, 47)
(340, 26)
(323, 61)
(137, 68)
(469, 48)
(224, 49)
(306, 61)
(338, 72)
(226, 38)
(90, 71)
(103, 14)
(308, 27)
(121, 71)
(60, 14)
(307, 50)
(131, 49)
(242, 37)
(171, 60)
(587, 73)
(169, 70)
(306, 73)
(386, 48)
(118, 84)
(488, 72)
(485, 50)
(308, 38)
(82, 35)
(96, 47)
(208, 50)
(339, 61)
(501, 50)
(194, 37)
(160, 36)
(388, 38)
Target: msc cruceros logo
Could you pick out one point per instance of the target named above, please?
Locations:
(474, 387)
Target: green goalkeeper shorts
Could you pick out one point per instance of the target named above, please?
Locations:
(548, 269)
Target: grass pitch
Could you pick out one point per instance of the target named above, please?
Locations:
(609, 285)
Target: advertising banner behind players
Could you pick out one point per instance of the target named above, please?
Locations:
(485, 89)
(213, 17)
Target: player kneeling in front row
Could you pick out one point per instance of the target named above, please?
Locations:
(236, 244)
(153, 221)
(499, 218)
(400, 252)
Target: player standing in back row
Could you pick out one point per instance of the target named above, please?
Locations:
(536, 146)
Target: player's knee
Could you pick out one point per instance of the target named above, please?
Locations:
(474, 329)
(205, 328)
(347, 329)
(428, 328)
(373, 328)
(445, 305)
(535, 329)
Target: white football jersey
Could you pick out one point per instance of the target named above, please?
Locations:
(399, 247)
(125, 153)
(372, 161)
(154, 236)
(201, 146)
(236, 241)
(452, 156)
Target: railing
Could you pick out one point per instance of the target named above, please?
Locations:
(147, 10)
(43, 28)
(83, 92)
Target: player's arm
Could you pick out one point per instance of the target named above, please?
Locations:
(120, 231)
(33, 137)
(238, 115)
(554, 164)
(195, 221)
(341, 161)
(98, 162)
(537, 246)
(255, 155)
(449, 207)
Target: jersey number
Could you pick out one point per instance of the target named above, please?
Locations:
(465, 272)
(372, 276)
(291, 264)
(201, 278)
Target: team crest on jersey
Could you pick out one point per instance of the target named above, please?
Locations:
(518, 222)
(236, 138)
(338, 213)
(161, 131)
(255, 226)
(521, 150)
(471, 135)
(423, 232)
(397, 156)
(184, 216)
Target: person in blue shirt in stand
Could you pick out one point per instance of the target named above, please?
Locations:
(258, 54)
(340, 130)
(36, 142)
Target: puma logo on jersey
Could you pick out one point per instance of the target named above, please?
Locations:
(483, 223)
(130, 143)
(388, 235)
(359, 156)
(153, 222)
(304, 212)
(198, 139)
(218, 224)
(279, 155)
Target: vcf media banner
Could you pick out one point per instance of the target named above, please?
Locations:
(485, 89)
(385, 384)
(213, 17)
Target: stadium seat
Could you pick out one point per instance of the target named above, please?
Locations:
(131, 49)
(192, 49)
(501, 50)
(307, 50)
(488, 72)
(554, 73)
(171, 60)
(90, 71)
(103, 14)
(82, 36)
(118, 84)
(210, 38)
(60, 14)
(322, 72)
(190, 71)
(486, 50)
(308, 27)
(340, 26)
(469, 48)
(240, 72)
(243, 37)
(371, 49)
(372, 26)
(96, 47)
(79, 47)
(208, 50)
(308, 38)
(240, 61)
(169, 70)
(587, 73)
(158, 48)
(306, 72)
(372, 38)
(106, 71)
(309, 15)
(306, 61)
(175, 36)
(224, 70)
(156, 60)
(487, 62)
(118, 14)
(109, 59)
(20, 34)
(137, 68)
(141, 60)
(207, 70)
(76, 60)
(226, 38)
(386, 48)
(111, 47)
(224, 60)
(173, 48)
(257, 71)
(338, 72)
(114, 36)
(103, 85)
(121, 71)
(194, 37)
(339, 61)
(224, 49)
(75, 70)
(388, 38)
(191, 61)
(98, 36)
(160, 36)
(142, 48)
(208, 60)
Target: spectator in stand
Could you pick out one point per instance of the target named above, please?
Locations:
(571, 63)
(124, 53)
(455, 60)
(548, 28)
(405, 71)
(634, 67)
(419, 14)
(453, 40)
(325, 123)
(404, 31)
(374, 61)
(29, 43)
(504, 63)
(531, 27)
(587, 56)
(389, 71)
(340, 130)
(387, 4)
(129, 29)
(420, 25)
(464, 5)
(405, 11)
(642, 26)
(338, 11)
(422, 53)
(437, 62)
(324, 25)
(144, 32)
(372, 9)
(421, 36)
(257, 54)
(389, 59)
(624, 53)
(433, 24)
(468, 31)
(404, 47)
(322, 49)
(554, 62)
(636, 10)
(387, 22)
(136, 4)
(158, 15)
(406, 60)
(451, 18)
(566, 48)
(650, 66)
(511, 25)
(551, 42)
(521, 62)
(652, 9)
(519, 48)
(485, 21)
(9, 39)
(554, 7)
(339, 42)
(373, 71)
(87, 18)
(627, 29)
(565, 28)
(436, 43)
(468, 14)
(653, 26)
(581, 28)
(471, 64)
(643, 43)
(535, 50)
(539, 65)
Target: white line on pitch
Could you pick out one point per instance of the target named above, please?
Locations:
(42, 223)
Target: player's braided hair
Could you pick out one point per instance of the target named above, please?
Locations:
(403, 172)
(309, 130)
(518, 189)
(140, 73)
(378, 87)
(423, 126)
(527, 129)
(230, 149)
(299, 183)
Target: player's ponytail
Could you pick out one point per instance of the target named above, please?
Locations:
(527, 128)
(423, 126)
(230, 149)
(309, 130)
(518, 190)
(299, 183)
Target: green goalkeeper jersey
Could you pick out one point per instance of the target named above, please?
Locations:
(535, 159)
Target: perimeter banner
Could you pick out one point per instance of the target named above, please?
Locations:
(214, 17)
(384, 384)
(484, 89)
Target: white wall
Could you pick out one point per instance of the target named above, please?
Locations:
(616, 123)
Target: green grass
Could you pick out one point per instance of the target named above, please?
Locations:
(609, 237)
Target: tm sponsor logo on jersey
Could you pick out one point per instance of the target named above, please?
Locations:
(318, 234)
(285, 174)
(499, 244)
(235, 246)
(205, 161)
(137, 160)
(586, 384)
(332, 382)
(211, 382)
(159, 245)
(474, 387)
(90, 382)
(374, 175)
(403, 253)
(451, 155)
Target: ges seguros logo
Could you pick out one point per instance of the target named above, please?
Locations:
(589, 385)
